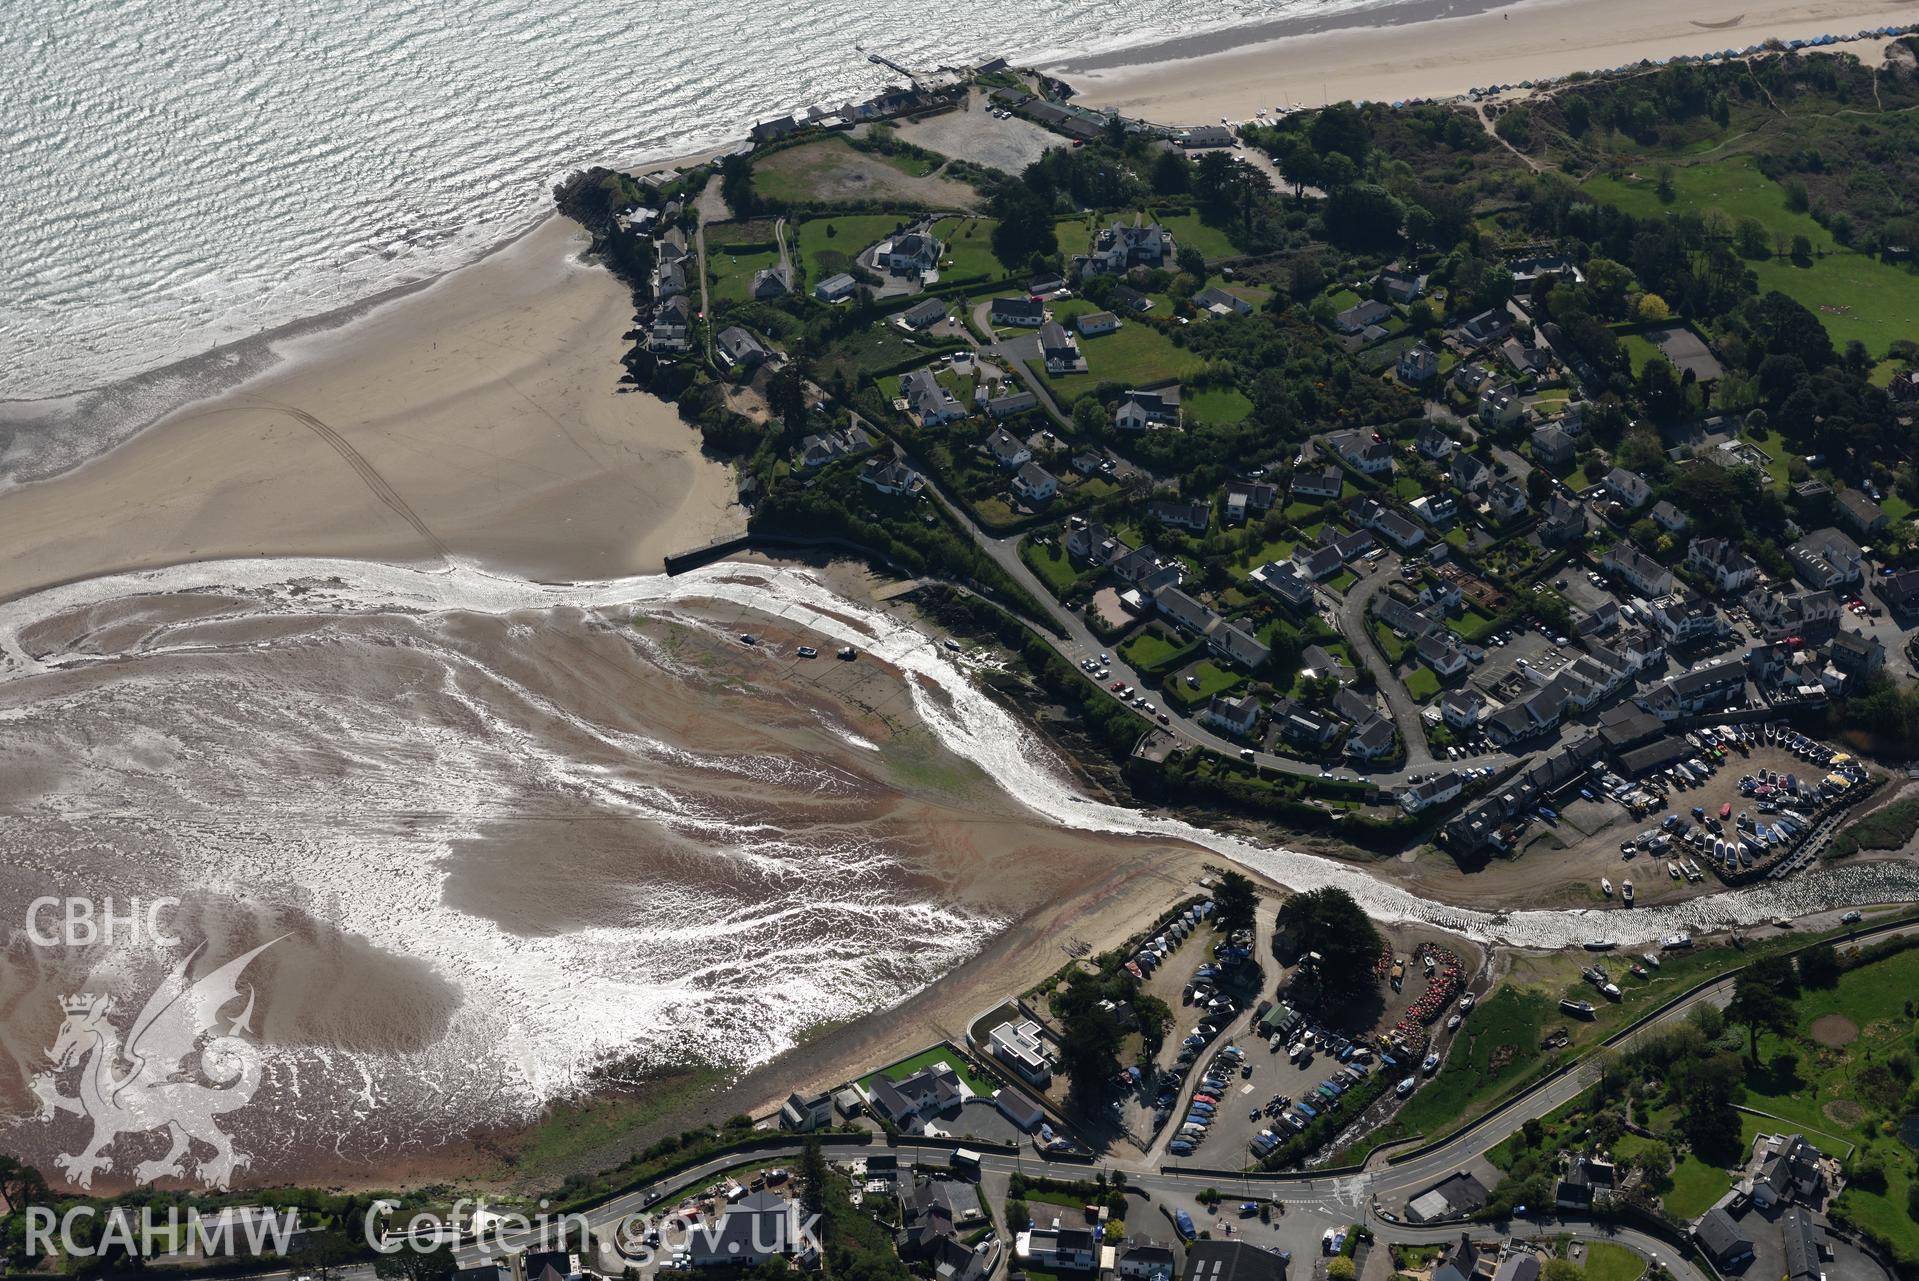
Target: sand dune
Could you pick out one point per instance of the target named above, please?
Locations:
(480, 417)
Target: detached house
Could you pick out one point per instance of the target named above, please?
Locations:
(1629, 488)
(1058, 348)
(1418, 364)
(1139, 410)
(1500, 405)
(1235, 716)
(1552, 447)
(1008, 450)
(1362, 316)
(1433, 443)
(1034, 483)
(1720, 560)
(927, 400)
(1120, 247)
(913, 254)
(1027, 312)
(1327, 482)
(1362, 452)
(1863, 516)
(1647, 576)
(1489, 326)
(1827, 559)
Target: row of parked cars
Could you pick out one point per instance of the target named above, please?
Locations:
(1293, 1116)
(1229, 1062)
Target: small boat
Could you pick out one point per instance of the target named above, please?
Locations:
(1626, 890)
(1467, 1002)
(1725, 811)
(1579, 1009)
(1452, 1024)
(1605, 886)
(1672, 869)
(1430, 1064)
(1600, 945)
(807, 651)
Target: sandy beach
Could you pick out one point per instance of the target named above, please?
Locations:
(1441, 52)
(480, 417)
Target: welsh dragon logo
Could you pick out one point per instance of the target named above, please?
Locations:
(169, 1074)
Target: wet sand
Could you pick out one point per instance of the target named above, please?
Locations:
(480, 417)
(1441, 49)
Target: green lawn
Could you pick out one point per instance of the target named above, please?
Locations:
(1213, 679)
(1498, 1045)
(1422, 683)
(1853, 295)
(1150, 649)
(828, 245)
(1608, 1262)
(1343, 582)
(1134, 354)
(1638, 351)
(926, 1058)
(1053, 566)
(1189, 231)
(1389, 641)
(1733, 185)
(969, 247)
(1695, 1186)
(733, 270)
(1472, 625)
(1223, 405)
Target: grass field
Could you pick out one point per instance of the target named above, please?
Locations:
(829, 245)
(969, 244)
(1213, 679)
(1695, 1186)
(1149, 649)
(1638, 351)
(1496, 1048)
(1422, 683)
(732, 269)
(1053, 566)
(1608, 1262)
(1189, 231)
(1389, 641)
(1218, 405)
(831, 170)
(1134, 354)
(1854, 296)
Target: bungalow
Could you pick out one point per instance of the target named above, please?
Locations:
(1057, 349)
(835, 287)
(1094, 323)
(1362, 315)
(1131, 299)
(1285, 582)
(1235, 716)
(1362, 452)
(1028, 312)
(1721, 1239)
(913, 254)
(1318, 563)
(1141, 1259)
(1500, 405)
(1238, 646)
(1866, 517)
(1087, 463)
(771, 282)
(923, 315)
(1326, 482)
(1395, 528)
(1647, 576)
(1629, 488)
(1184, 611)
(1720, 560)
(1008, 450)
(1427, 793)
(1433, 443)
(1522, 358)
(1668, 517)
(1221, 302)
(890, 476)
(1007, 403)
(1490, 326)
(1191, 515)
(1034, 483)
(1553, 447)
(928, 400)
(1827, 559)
(1403, 618)
(739, 349)
(1401, 286)
(1418, 364)
(1139, 410)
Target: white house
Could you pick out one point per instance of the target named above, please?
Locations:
(1034, 483)
(1629, 487)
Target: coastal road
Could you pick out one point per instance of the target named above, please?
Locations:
(1312, 1202)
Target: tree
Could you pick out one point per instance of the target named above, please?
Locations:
(1025, 227)
(1341, 128)
(1750, 238)
(1300, 166)
(1089, 416)
(1758, 1007)
(1819, 966)
(1089, 1049)
(1363, 215)
(1561, 1270)
(1236, 897)
(409, 1264)
(813, 1174)
(1578, 113)
(1172, 174)
(1330, 921)
(1192, 262)
(1341, 1269)
(1653, 307)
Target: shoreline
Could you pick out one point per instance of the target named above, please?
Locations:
(46, 438)
(1439, 49)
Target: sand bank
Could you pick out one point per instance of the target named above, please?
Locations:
(480, 417)
(1437, 50)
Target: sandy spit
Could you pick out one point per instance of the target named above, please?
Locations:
(1241, 72)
